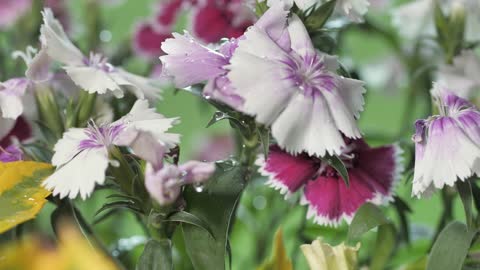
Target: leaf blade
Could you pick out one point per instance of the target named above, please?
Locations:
(21, 193)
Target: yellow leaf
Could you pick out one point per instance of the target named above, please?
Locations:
(21, 193)
(279, 260)
(322, 256)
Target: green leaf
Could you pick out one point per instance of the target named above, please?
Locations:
(260, 7)
(279, 259)
(465, 190)
(185, 217)
(128, 204)
(402, 209)
(450, 249)
(21, 193)
(338, 165)
(264, 134)
(385, 243)
(320, 16)
(157, 255)
(215, 205)
(367, 217)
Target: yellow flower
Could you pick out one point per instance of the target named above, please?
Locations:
(322, 256)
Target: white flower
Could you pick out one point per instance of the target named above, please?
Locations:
(93, 74)
(463, 75)
(82, 155)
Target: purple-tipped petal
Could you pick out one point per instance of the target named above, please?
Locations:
(189, 62)
(10, 154)
(196, 171)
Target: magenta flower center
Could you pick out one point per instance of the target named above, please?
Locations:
(98, 137)
(309, 74)
(98, 61)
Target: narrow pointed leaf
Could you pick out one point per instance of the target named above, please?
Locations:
(279, 259)
(157, 255)
(338, 165)
(188, 218)
(215, 206)
(320, 16)
(465, 190)
(367, 217)
(451, 247)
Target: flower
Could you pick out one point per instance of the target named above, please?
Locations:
(352, 9)
(93, 74)
(462, 74)
(12, 10)
(447, 146)
(11, 93)
(147, 40)
(11, 130)
(290, 81)
(321, 255)
(215, 147)
(213, 20)
(164, 184)
(372, 174)
(82, 154)
(10, 154)
(190, 62)
(416, 18)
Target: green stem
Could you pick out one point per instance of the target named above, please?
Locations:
(49, 111)
(447, 213)
(123, 173)
(86, 105)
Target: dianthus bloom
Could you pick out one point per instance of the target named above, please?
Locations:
(447, 146)
(213, 20)
(291, 80)
(82, 155)
(189, 62)
(462, 74)
(164, 184)
(372, 173)
(93, 74)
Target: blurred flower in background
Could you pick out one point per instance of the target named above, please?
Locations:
(322, 256)
(12, 10)
(215, 147)
(72, 251)
(207, 20)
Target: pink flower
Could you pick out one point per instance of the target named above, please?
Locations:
(216, 147)
(147, 40)
(214, 20)
(168, 12)
(164, 185)
(12, 10)
(9, 129)
(372, 174)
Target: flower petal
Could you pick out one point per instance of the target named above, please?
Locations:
(286, 172)
(94, 80)
(79, 176)
(189, 62)
(58, 45)
(68, 146)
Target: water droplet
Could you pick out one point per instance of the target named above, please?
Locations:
(198, 187)
(259, 202)
(105, 36)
